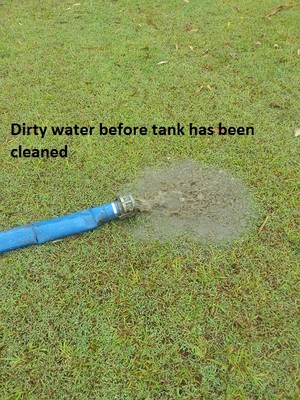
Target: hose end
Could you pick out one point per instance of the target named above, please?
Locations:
(126, 205)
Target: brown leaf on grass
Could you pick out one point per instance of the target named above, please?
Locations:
(162, 62)
(187, 27)
(273, 104)
(207, 67)
(297, 132)
(258, 43)
(209, 87)
(150, 22)
(191, 48)
(277, 9)
(177, 47)
(231, 349)
(298, 52)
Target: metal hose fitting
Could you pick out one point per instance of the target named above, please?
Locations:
(126, 205)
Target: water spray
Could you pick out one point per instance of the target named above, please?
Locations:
(72, 224)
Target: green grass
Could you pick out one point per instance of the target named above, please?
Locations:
(102, 316)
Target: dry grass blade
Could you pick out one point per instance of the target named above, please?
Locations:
(262, 225)
(96, 48)
(6, 141)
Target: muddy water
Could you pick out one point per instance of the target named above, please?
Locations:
(208, 204)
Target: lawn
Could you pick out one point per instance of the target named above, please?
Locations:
(103, 315)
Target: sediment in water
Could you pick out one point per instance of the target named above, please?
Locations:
(207, 203)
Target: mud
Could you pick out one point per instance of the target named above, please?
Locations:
(207, 204)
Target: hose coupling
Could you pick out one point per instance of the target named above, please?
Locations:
(127, 206)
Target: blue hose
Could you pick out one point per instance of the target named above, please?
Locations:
(57, 228)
